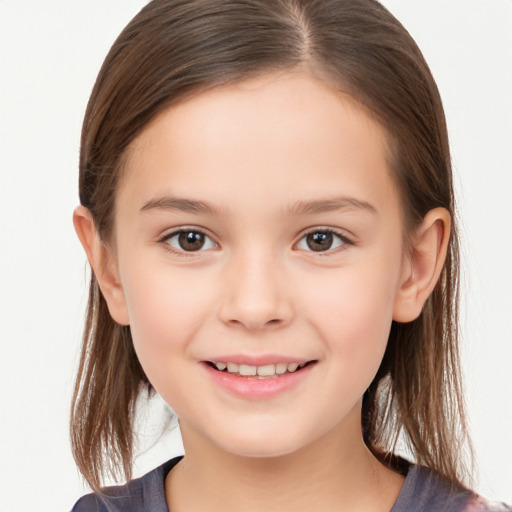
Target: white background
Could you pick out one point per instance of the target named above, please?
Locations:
(50, 53)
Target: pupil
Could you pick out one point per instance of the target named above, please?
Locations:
(319, 241)
(191, 241)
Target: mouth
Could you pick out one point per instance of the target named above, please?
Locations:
(267, 371)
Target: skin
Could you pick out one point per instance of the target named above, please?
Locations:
(258, 153)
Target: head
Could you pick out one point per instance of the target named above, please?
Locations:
(176, 52)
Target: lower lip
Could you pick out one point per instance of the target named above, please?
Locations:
(252, 388)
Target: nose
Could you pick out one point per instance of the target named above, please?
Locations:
(256, 294)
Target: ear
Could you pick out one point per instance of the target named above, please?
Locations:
(423, 266)
(103, 264)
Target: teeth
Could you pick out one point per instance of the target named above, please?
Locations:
(245, 369)
(267, 370)
(232, 368)
(281, 368)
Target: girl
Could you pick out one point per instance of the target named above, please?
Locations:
(267, 208)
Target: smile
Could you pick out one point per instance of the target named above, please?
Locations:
(265, 371)
(258, 381)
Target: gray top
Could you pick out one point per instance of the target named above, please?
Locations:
(422, 491)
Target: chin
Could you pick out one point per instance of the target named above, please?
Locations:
(263, 444)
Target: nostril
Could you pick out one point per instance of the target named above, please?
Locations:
(254, 324)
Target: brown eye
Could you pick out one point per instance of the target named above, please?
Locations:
(321, 241)
(189, 241)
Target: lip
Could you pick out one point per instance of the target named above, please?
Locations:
(257, 360)
(253, 388)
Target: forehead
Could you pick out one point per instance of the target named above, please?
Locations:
(279, 134)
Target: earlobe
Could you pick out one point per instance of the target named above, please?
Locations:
(422, 268)
(102, 263)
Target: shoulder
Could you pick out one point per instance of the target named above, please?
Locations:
(89, 503)
(146, 493)
(426, 491)
(480, 504)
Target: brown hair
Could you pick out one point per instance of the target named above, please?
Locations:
(175, 48)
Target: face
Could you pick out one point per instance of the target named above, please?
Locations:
(258, 245)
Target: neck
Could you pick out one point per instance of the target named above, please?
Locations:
(336, 472)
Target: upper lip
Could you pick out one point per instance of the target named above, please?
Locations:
(258, 360)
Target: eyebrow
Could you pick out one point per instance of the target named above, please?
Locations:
(180, 204)
(332, 204)
(299, 208)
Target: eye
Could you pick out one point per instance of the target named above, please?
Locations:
(322, 241)
(189, 240)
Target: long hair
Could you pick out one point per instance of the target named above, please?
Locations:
(177, 48)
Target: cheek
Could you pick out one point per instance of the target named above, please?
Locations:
(165, 311)
(353, 314)
(354, 300)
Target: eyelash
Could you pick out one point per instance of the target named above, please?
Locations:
(165, 240)
(343, 239)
